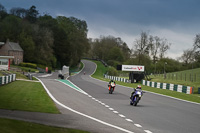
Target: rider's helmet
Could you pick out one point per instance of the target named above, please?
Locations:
(111, 80)
(139, 87)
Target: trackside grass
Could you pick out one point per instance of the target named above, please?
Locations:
(16, 126)
(27, 96)
(188, 78)
(189, 97)
(100, 71)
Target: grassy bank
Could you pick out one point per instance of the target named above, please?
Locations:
(188, 78)
(28, 96)
(192, 97)
(16, 126)
(100, 71)
(75, 70)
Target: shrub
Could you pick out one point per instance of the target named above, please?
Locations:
(113, 63)
(31, 65)
(112, 71)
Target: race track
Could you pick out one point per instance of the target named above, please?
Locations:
(97, 111)
(155, 113)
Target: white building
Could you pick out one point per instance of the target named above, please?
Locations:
(5, 62)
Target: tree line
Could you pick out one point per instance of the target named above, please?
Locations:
(147, 50)
(63, 41)
(45, 40)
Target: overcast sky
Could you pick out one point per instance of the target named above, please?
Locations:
(178, 21)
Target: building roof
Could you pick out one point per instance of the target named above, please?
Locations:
(15, 46)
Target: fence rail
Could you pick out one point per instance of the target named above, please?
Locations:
(192, 77)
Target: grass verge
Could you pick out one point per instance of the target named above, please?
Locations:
(101, 70)
(16, 126)
(161, 79)
(75, 70)
(27, 96)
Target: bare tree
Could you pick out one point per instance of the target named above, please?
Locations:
(20, 12)
(197, 41)
(197, 46)
(164, 46)
(188, 56)
(154, 44)
(3, 12)
(150, 46)
(142, 44)
(2, 8)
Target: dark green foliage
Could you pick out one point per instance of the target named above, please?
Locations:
(112, 71)
(48, 41)
(32, 14)
(113, 63)
(10, 27)
(3, 12)
(115, 53)
(31, 65)
(109, 48)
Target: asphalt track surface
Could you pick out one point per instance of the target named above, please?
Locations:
(155, 113)
(97, 111)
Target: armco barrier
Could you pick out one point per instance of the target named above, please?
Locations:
(172, 87)
(117, 78)
(7, 79)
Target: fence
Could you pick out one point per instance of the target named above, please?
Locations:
(7, 79)
(172, 87)
(117, 78)
(192, 77)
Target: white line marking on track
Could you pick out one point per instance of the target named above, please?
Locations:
(122, 115)
(90, 117)
(103, 103)
(137, 125)
(129, 120)
(115, 112)
(147, 131)
(111, 108)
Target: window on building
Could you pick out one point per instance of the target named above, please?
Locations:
(4, 61)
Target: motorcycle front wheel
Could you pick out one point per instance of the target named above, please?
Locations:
(136, 101)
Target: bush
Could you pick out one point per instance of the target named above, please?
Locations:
(112, 71)
(113, 63)
(44, 67)
(31, 65)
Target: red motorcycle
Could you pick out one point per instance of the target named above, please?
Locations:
(111, 87)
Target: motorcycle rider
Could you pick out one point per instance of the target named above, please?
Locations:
(138, 87)
(109, 84)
